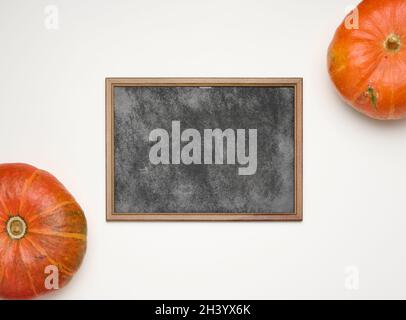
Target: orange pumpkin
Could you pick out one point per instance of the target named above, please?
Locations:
(367, 62)
(42, 232)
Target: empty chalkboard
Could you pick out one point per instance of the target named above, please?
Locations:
(204, 149)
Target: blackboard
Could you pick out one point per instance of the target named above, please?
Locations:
(204, 149)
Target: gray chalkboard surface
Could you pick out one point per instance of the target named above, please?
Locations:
(204, 149)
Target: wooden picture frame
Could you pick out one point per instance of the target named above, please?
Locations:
(296, 83)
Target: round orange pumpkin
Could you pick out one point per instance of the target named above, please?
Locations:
(42, 232)
(367, 59)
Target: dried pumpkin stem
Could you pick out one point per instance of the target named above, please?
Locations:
(16, 228)
(393, 43)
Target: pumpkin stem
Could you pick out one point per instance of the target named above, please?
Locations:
(16, 228)
(393, 43)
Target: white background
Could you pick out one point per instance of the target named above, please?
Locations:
(52, 116)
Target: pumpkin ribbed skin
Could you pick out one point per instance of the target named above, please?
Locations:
(55, 231)
(368, 65)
